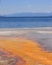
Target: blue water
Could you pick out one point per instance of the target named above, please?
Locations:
(25, 22)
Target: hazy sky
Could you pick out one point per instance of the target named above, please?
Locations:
(15, 6)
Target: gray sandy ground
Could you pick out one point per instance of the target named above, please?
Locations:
(44, 39)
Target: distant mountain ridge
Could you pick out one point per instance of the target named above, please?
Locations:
(28, 14)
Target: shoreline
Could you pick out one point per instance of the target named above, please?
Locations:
(42, 35)
(15, 31)
(30, 28)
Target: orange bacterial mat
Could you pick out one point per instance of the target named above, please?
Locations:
(24, 52)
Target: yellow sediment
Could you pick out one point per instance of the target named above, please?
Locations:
(28, 50)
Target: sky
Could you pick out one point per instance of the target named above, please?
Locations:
(20, 6)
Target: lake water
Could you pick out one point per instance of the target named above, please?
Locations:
(25, 22)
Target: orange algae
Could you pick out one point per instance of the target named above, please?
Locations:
(28, 51)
